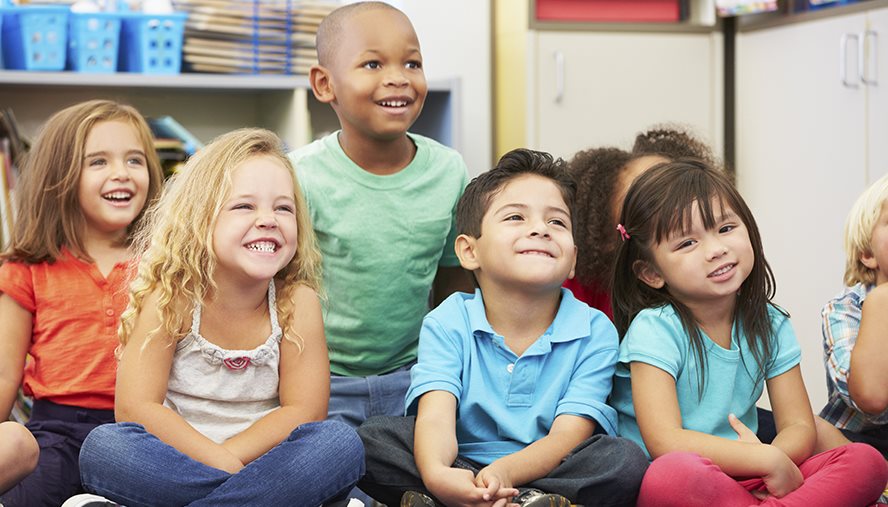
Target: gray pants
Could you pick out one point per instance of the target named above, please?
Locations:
(603, 470)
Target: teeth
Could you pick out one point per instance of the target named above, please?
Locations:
(262, 246)
(723, 270)
(117, 195)
(394, 103)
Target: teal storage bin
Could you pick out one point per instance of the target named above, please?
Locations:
(152, 43)
(93, 41)
(34, 37)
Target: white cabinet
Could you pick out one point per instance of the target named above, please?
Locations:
(209, 104)
(599, 88)
(810, 136)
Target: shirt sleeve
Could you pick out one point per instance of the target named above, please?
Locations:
(787, 352)
(16, 282)
(439, 364)
(448, 256)
(841, 324)
(654, 338)
(592, 378)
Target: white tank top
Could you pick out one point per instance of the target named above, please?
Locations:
(222, 392)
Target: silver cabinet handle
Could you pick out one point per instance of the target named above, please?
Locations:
(559, 76)
(868, 78)
(843, 58)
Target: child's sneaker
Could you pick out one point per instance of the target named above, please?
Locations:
(88, 500)
(416, 499)
(536, 498)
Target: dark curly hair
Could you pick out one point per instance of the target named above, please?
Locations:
(597, 172)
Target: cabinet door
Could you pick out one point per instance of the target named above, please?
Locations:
(595, 89)
(876, 47)
(801, 163)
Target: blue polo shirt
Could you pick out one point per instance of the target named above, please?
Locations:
(506, 402)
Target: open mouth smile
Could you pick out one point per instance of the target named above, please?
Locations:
(263, 246)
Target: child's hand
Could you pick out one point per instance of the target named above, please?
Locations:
(496, 483)
(784, 476)
(744, 434)
(456, 487)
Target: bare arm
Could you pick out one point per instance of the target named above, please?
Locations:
(796, 433)
(659, 419)
(868, 374)
(435, 449)
(538, 459)
(142, 379)
(14, 343)
(304, 384)
(449, 280)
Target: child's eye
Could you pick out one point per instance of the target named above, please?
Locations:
(685, 244)
(373, 64)
(285, 208)
(241, 205)
(97, 162)
(414, 64)
(726, 228)
(559, 222)
(136, 161)
(514, 218)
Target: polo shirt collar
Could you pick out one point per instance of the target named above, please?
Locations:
(571, 322)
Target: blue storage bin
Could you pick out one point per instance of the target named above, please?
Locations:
(34, 37)
(152, 43)
(93, 41)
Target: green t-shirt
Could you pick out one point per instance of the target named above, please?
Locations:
(382, 238)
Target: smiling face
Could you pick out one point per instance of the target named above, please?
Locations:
(526, 241)
(377, 85)
(113, 180)
(701, 265)
(255, 232)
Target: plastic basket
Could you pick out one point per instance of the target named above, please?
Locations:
(93, 41)
(152, 43)
(34, 37)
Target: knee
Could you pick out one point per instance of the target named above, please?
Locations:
(866, 457)
(340, 440)
(672, 468)
(21, 444)
(631, 462)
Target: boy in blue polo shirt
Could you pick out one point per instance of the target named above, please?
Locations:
(509, 390)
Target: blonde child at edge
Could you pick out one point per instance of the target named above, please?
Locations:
(700, 339)
(222, 384)
(382, 203)
(510, 388)
(83, 188)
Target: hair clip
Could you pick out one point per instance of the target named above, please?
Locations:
(623, 233)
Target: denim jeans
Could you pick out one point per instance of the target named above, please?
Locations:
(602, 470)
(317, 463)
(353, 400)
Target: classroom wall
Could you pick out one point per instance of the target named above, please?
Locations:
(455, 36)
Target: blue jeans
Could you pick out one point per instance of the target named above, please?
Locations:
(318, 462)
(353, 400)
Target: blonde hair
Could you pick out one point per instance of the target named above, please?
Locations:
(859, 231)
(49, 215)
(175, 244)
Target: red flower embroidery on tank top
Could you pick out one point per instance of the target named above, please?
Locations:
(236, 363)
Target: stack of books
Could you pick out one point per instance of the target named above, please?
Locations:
(252, 36)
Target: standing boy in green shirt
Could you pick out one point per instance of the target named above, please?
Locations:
(382, 203)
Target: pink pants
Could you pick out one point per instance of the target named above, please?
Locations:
(853, 475)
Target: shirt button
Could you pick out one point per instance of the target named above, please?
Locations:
(510, 367)
(109, 312)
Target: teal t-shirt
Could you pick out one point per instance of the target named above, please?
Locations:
(656, 337)
(382, 239)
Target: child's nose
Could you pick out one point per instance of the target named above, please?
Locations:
(396, 77)
(717, 249)
(119, 171)
(266, 221)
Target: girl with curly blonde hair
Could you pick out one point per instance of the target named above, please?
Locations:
(223, 381)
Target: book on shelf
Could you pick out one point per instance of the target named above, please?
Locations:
(167, 128)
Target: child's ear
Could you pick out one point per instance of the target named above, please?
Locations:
(648, 274)
(573, 266)
(869, 260)
(465, 251)
(321, 84)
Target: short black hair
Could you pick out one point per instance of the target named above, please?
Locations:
(475, 201)
(330, 31)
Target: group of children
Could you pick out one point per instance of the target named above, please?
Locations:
(255, 331)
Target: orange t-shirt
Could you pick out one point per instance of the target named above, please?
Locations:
(74, 328)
